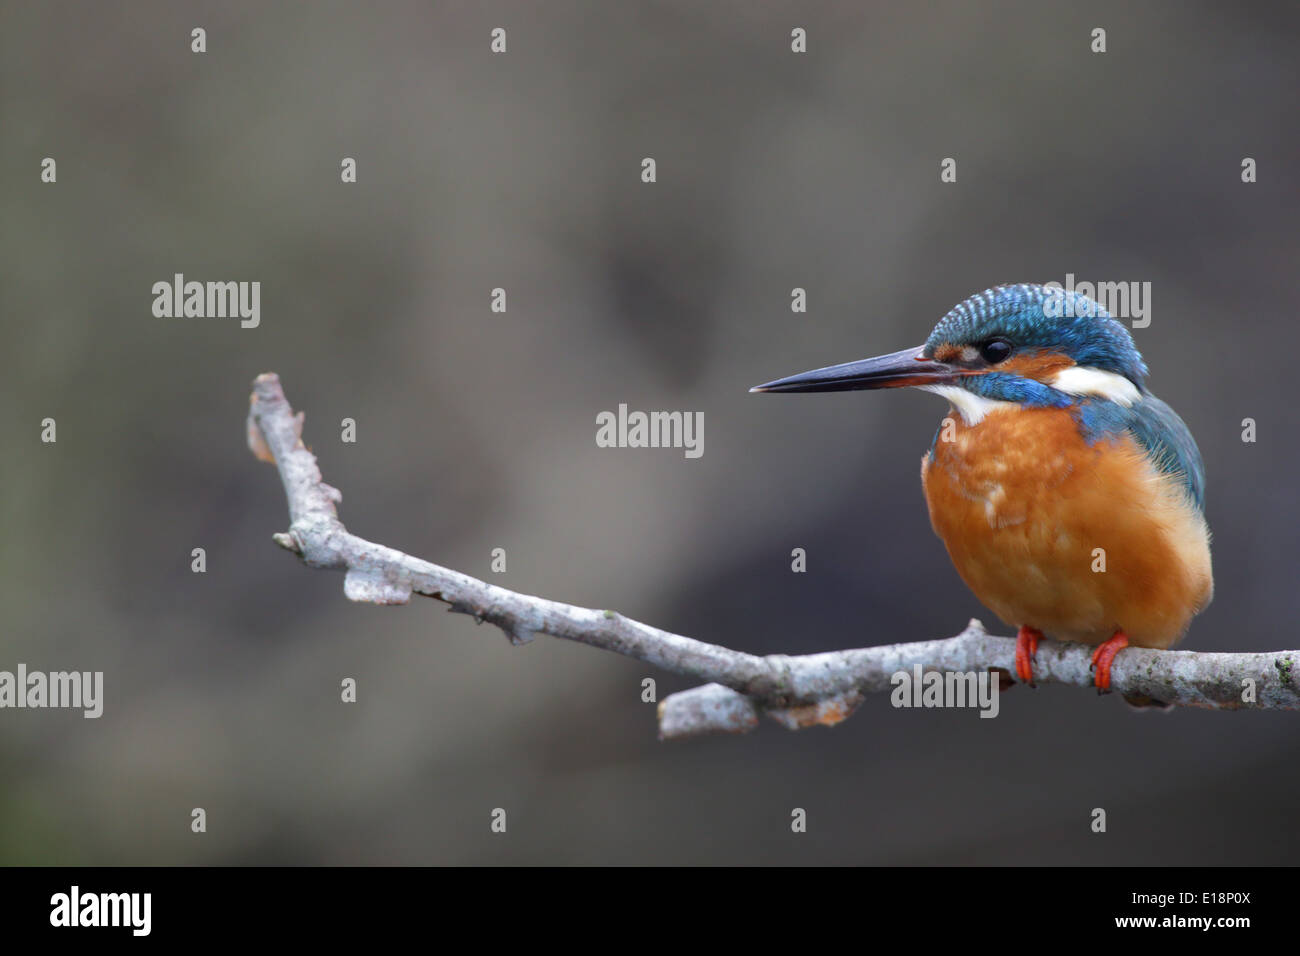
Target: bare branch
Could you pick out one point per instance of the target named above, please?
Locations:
(796, 691)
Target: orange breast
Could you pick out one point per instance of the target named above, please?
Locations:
(1078, 541)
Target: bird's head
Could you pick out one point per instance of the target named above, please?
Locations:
(1026, 344)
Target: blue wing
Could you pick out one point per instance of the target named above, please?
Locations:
(1159, 430)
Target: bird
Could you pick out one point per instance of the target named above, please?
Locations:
(1070, 499)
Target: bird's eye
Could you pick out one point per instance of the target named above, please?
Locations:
(995, 350)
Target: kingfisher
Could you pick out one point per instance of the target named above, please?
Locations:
(1070, 499)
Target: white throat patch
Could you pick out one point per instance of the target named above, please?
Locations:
(970, 406)
(1084, 380)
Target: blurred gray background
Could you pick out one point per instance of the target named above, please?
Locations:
(476, 430)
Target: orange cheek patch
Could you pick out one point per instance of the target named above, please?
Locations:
(1036, 365)
(947, 353)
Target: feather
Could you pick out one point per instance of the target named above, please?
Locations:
(1158, 429)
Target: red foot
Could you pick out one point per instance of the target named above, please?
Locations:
(1027, 639)
(1104, 656)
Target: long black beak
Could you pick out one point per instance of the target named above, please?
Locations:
(908, 367)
